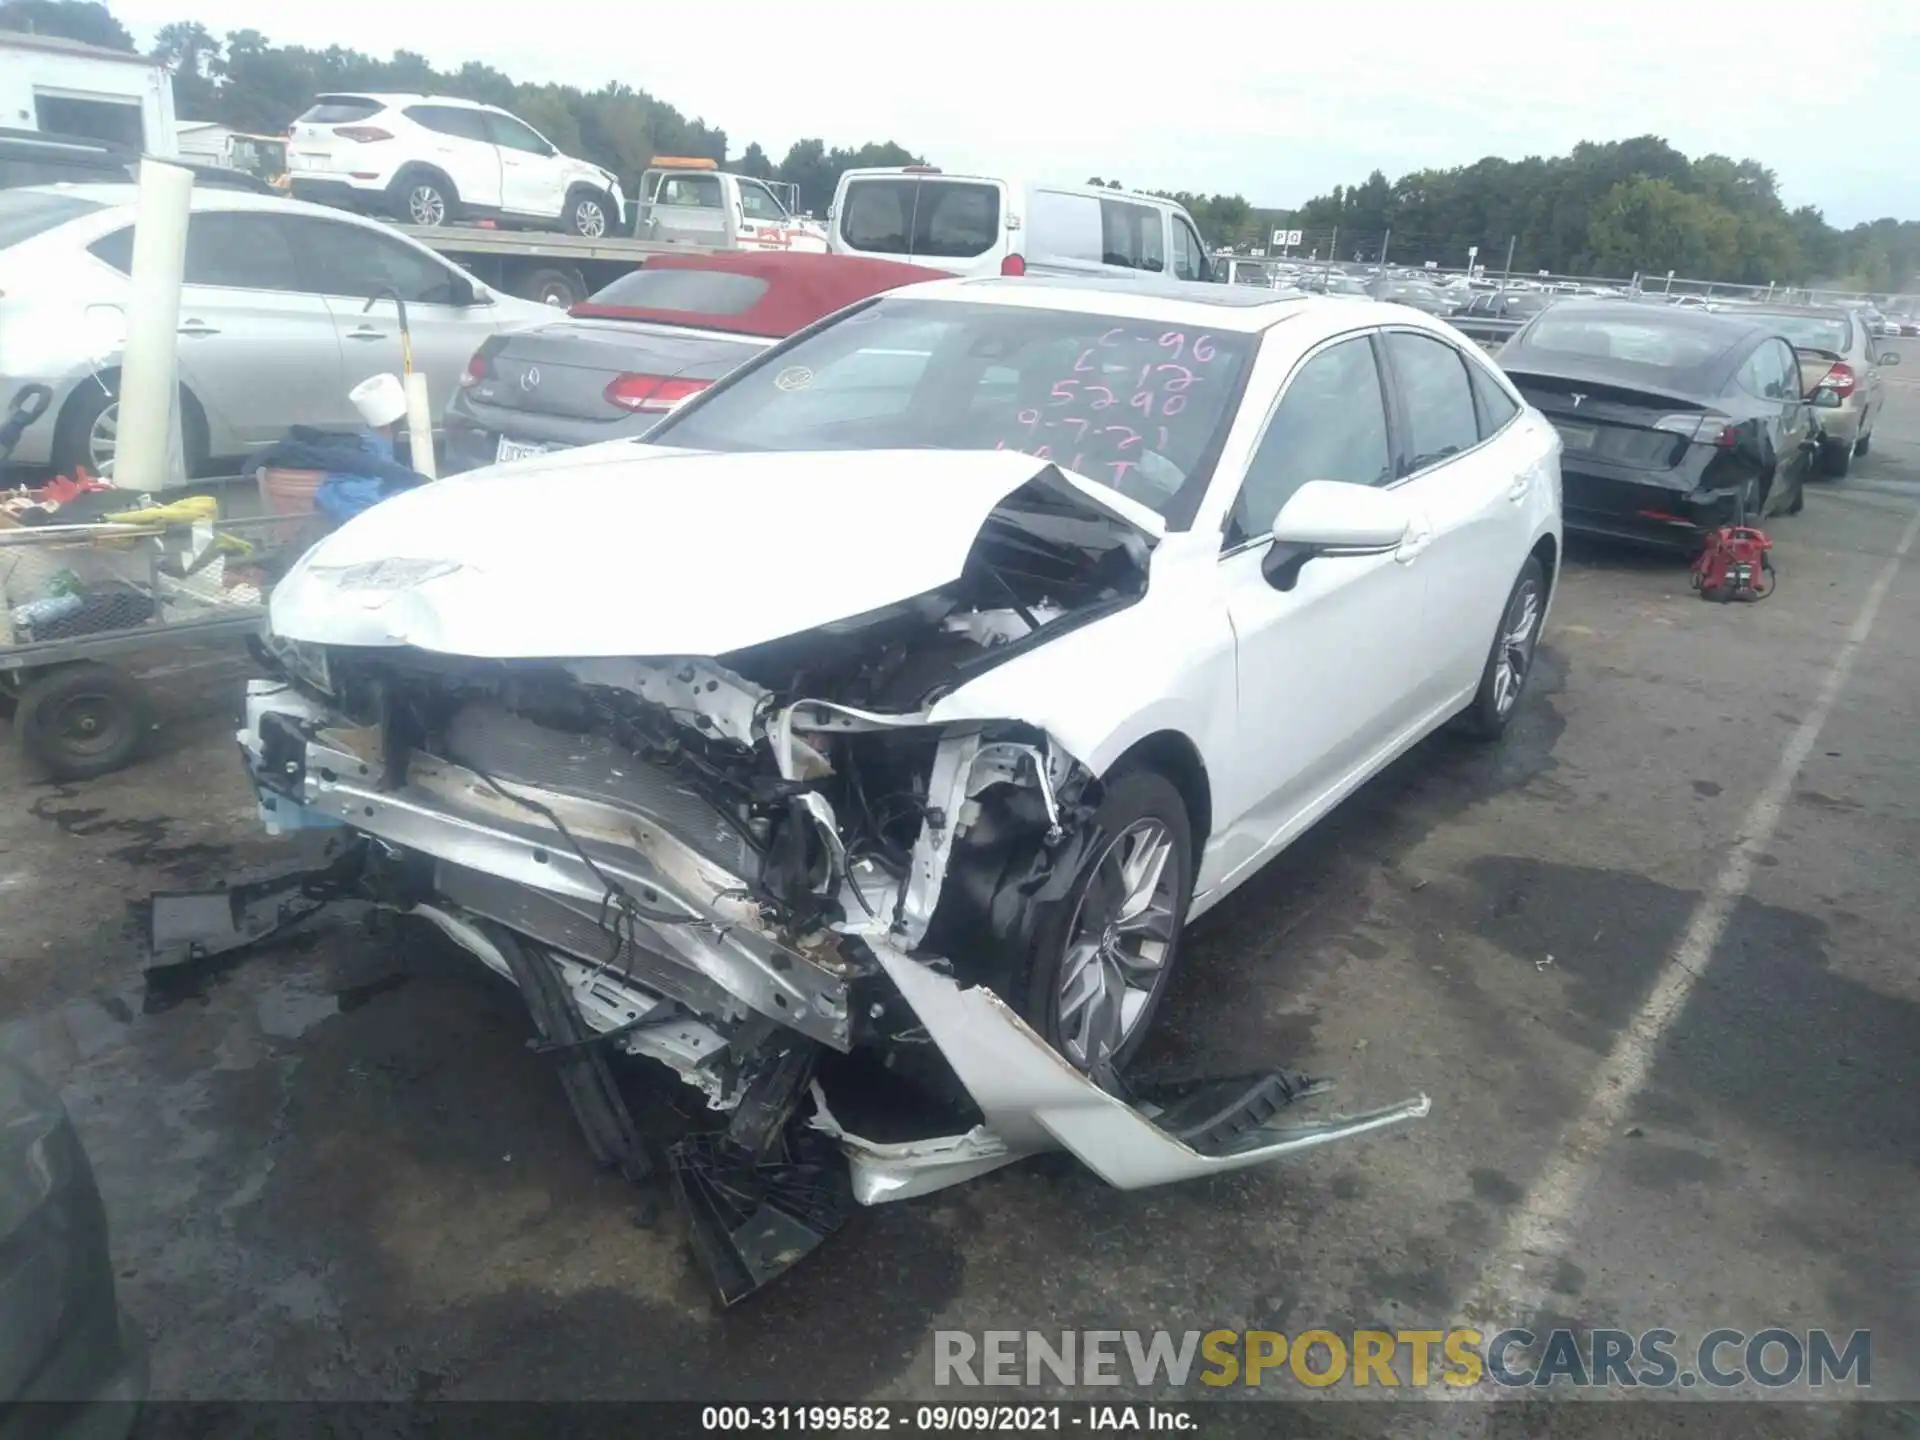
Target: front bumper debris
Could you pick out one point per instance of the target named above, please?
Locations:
(694, 976)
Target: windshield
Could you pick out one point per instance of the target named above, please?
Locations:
(1139, 405)
(1811, 332)
(27, 213)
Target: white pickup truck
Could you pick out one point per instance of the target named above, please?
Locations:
(691, 202)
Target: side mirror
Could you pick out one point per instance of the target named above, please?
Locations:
(1332, 518)
(1889, 357)
(462, 292)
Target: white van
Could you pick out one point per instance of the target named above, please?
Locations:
(983, 225)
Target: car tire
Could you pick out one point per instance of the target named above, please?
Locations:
(1836, 459)
(588, 214)
(91, 415)
(1067, 990)
(424, 198)
(1516, 642)
(82, 720)
(559, 288)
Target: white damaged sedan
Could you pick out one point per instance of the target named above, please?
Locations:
(859, 744)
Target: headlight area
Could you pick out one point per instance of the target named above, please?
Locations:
(814, 911)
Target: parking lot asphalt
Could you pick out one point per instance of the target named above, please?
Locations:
(1652, 958)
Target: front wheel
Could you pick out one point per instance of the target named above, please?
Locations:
(1510, 661)
(586, 214)
(1102, 963)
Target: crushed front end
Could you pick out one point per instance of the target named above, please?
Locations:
(774, 873)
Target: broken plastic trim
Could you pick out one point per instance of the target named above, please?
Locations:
(1033, 1100)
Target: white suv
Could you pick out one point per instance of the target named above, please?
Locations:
(433, 160)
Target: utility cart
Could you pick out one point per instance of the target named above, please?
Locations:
(79, 598)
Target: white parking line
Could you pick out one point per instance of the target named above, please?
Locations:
(1513, 1284)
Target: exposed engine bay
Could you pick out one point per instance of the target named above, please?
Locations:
(770, 871)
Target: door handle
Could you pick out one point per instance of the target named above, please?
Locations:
(1417, 540)
(197, 327)
(366, 332)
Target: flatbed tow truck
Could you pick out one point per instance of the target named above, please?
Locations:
(685, 206)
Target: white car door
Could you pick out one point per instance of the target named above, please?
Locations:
(1473, 481)
(257, 347)
(358, 263)
(1328, 669)
(458, 143)
(533, 177)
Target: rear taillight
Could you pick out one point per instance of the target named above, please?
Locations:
(652, 393)
(478, 369)
(362, 134)
(1715, 430)
(1013, 265)
(1839, 379)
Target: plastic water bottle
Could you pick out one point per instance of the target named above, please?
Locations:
(42, 612)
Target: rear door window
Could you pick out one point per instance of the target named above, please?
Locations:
(1436, 399)
(921, 219)
(451, 120)
(241, 251)
(344, 259)
(1495, 406)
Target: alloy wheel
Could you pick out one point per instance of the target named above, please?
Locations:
(426, 206)
(589, 219)
(1519, 632)
(103, 440)
(1118, 944)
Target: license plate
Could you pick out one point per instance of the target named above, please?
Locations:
(305, 161)
(1577, 437)
(517, 450)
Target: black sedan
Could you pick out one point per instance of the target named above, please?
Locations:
(1674, 421)
(641, 346)
(62, 1335)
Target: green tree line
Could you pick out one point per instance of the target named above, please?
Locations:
(1605, 209)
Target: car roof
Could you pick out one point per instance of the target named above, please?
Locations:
(1242, 309)
(403, 97)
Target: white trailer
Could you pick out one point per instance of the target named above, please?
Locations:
(63, 87)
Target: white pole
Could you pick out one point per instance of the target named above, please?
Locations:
(420, 425)
(146, 452)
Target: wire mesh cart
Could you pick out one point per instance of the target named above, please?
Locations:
(79, 597)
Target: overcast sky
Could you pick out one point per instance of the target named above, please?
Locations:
(1276, 102)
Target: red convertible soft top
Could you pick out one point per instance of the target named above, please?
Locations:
(797, 289)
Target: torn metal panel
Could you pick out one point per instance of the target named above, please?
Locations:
(902, 1170)
(452, 814)
(1034, 1100)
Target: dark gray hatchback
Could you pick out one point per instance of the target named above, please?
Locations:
(644, 344)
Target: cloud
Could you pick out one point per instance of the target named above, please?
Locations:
(1268, 101)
